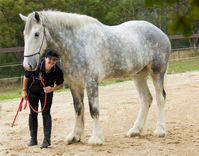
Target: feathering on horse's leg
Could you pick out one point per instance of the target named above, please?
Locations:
(158, 80)
(77, 133)
(140, 81)
(97, 134)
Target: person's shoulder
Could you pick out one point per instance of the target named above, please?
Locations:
(58, 69)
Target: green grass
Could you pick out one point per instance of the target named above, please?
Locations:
(174, 67)
(7, 95)
(183, 66)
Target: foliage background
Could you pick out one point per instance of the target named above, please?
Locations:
(172, 16)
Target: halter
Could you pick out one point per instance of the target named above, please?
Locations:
(40, 46)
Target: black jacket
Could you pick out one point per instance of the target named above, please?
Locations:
(35, 87)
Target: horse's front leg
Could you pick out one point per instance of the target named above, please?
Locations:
(77, 132)
(93, 99)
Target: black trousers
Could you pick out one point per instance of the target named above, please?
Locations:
(33, 120)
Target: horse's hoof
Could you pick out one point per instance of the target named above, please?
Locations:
(160, 131)
(71, 139)
(133, 132)
(95, 140)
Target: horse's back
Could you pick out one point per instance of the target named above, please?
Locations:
(134, 45)
(137, 37)
(154, 43)
(144, 30)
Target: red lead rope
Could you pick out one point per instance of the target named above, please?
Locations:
(30, 105)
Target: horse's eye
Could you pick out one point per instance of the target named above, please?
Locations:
(36, 34)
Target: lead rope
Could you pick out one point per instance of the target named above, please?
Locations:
(30, 105)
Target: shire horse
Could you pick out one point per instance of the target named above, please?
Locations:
(90, 52)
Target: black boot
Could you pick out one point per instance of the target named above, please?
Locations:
(45, 143)
(47, 126)
(33, 124)
(32, 142)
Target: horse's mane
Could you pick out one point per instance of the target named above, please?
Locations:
(74, 20)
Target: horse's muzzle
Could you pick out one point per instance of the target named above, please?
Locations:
(29, 67)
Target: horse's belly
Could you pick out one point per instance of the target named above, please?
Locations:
(122, 71)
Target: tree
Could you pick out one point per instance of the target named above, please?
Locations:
(184, 14)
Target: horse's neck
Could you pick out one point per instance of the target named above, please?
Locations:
(59, 40)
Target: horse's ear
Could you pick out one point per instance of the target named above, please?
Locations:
(37, 17)
(24, 18)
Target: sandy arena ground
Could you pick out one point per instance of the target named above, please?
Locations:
(119, 107)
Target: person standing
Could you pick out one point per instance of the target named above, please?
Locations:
(52, 75)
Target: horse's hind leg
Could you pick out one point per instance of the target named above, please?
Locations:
(92, 92)
(140, 80)
(158, 80)
(77, 132)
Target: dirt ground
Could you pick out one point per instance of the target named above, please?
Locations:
(119, 107)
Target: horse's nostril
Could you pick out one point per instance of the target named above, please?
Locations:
(30, 66)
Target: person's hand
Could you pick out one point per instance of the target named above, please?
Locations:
(48, 89)
(24, 94)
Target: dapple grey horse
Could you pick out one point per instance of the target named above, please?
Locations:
(90, 52)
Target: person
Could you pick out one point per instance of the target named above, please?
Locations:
(52, 75)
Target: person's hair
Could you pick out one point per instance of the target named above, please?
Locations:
(51, 53)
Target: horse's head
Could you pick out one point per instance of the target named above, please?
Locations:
(35, 40)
